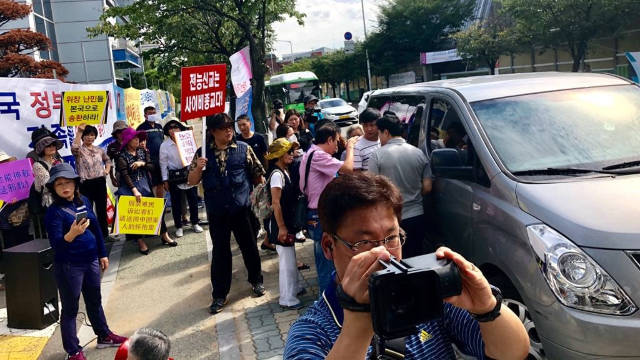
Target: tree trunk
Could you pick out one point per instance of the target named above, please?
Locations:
(578, 56)
(258, 106)
(348, 94)
(333, 87)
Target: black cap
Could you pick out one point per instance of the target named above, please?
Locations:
(219, 121)
(171, 123)
(277, 104)
(39, 134)
(310, 98)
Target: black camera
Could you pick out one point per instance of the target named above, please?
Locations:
(409, 292)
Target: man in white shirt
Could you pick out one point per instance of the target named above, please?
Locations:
(369, 143)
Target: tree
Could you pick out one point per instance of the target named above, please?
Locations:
(196, 32)
(408, 27)
(17, 47)
(570, 23)
(486, 41)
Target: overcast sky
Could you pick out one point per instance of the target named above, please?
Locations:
(325, 24)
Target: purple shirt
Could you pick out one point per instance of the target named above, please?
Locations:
(324, 168)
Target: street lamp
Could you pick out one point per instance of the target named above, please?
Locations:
(290, 48)
(364, 25)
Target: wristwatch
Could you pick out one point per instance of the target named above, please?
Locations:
(493, 314)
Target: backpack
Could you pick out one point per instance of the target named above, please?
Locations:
(34, 201)
(261, 199)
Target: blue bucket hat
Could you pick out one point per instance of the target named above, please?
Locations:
(63, 170)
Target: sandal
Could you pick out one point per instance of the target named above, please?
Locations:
(303, 267)
(267, 247)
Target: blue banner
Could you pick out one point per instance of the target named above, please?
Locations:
(243, 106)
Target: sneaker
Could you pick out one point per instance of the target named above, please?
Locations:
(258, 289)
(217, 305)
(197, 228)
(77, 356)
(297, 306)
(179, 232)
(261, 234)
(112, 340)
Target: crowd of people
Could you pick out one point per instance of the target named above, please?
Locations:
(343, 193)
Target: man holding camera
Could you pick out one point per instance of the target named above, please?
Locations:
(311, 113)
(360, 213)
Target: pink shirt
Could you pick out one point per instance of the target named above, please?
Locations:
(324, 168)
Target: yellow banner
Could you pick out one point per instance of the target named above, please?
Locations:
(135, 114)
(139, 218)
(84, 107)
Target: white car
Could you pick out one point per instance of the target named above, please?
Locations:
(338, 111)
(362, 105)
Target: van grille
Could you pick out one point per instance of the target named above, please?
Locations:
(635, 255)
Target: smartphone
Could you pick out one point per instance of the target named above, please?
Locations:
(81, 216)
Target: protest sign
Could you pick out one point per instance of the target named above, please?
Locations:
(135, 114)
(139, 218)
(28, 103)
(83, 107)
(16, 178)
(203, 90)
(187, 147)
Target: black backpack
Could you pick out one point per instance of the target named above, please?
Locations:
(35, 197)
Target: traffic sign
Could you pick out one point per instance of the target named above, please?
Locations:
(348, 36)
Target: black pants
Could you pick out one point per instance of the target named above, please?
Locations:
(416, 243)
(220, 230)
(176, 204)
(96, 191)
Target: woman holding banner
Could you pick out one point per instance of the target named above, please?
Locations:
(93, 166)
(133, 167)
(174, 176)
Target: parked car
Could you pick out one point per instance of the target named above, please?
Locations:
(362, 105)
(538, 184)
(338, 111)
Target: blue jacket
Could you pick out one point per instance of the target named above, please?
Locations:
(84, 248)
(155, 137)
(228, 192)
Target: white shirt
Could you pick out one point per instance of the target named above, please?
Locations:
(170, 160)
(277, 180)
(362, 152)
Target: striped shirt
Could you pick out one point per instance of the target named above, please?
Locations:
(312, 336)
(362, 152)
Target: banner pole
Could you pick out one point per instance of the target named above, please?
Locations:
(203, 153)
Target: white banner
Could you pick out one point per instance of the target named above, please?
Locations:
(241, 71)
(439, 56)
(26, 104)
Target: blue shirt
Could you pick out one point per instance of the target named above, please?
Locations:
(312, 336)
(86, 247)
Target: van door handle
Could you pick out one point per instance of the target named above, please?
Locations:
(476, 207)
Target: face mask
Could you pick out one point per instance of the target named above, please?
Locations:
(292, 138)
(154, 117)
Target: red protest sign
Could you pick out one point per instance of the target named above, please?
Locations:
(203, 90)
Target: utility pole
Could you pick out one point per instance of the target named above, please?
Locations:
(364, 24)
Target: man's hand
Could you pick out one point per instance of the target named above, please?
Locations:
(476, 296)
(355, 281)
(104, 263)
(351, 143)
(283, 232)
(201, 163)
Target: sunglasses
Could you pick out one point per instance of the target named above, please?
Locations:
(291, 152)
(174, 127)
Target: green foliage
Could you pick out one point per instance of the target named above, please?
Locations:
(571, 24)
(408, 27)
(486, 41)
(198, 32)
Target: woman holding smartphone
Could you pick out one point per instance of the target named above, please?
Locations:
(80, 255)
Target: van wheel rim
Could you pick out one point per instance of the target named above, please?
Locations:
(522, 312)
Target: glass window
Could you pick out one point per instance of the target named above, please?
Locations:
(589, 128)
(48, 14)
(446, 127)
(40, 27)
(51, 33)
(407, 108)
(332, 103)
(297, 91)
(37, 7)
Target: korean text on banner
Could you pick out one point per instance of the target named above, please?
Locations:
(139, 218)
(16, 178)
(187, 147)
(88, 107)
(203, 90)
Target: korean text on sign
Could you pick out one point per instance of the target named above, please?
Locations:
(187, 147)
(140, 218)
(88, 107)
(16, 178)
(203, 90)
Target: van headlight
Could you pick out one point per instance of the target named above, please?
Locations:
(575, 279)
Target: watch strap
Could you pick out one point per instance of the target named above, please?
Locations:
(493, 314)
(349, 303)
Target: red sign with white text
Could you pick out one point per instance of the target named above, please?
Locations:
(203, 90)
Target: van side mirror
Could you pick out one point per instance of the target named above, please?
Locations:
(451, 164)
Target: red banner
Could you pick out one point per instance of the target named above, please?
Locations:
(203, 90)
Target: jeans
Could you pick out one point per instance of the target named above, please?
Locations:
(176, 204)
(324, 266)
(221, 267)
(72, 280)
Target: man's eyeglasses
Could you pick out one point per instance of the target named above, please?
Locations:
(391, 242)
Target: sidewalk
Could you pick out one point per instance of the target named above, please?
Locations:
(170, 290)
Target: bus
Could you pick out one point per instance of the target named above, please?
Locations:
(291, 88)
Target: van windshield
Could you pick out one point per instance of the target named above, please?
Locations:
(590, 128)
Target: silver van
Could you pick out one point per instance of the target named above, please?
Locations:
(537, 180)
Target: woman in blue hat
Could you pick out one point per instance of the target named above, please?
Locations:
(80, 255)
